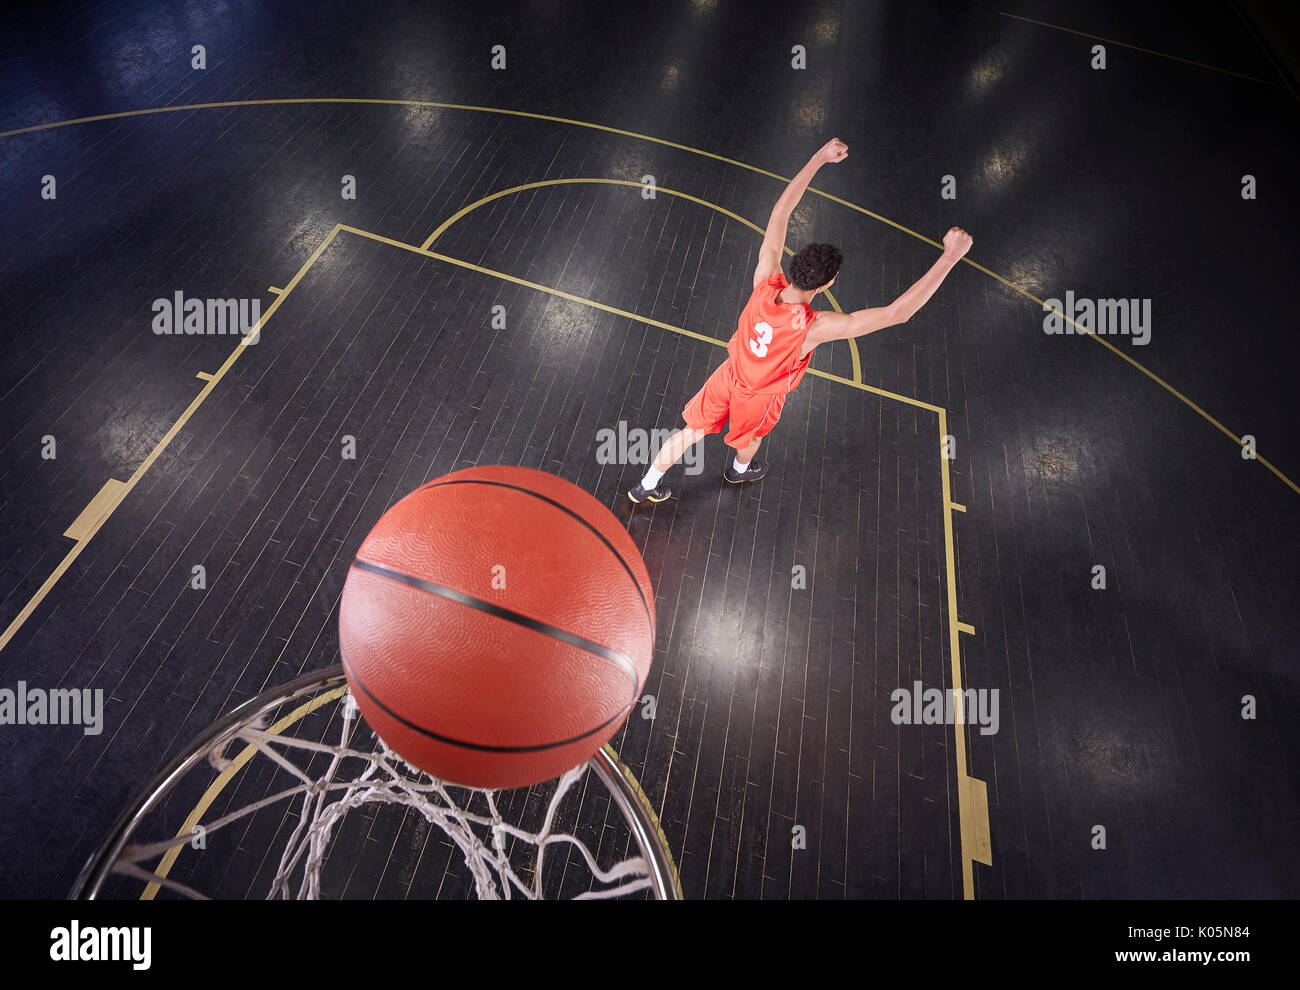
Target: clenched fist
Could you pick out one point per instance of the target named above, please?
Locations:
(833, 150)
(957, 242)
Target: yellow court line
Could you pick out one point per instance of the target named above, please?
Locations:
(1147, 51)
(966, 627)
(853, 344)
(1255, 34)
(102, 504)
(977, 792)
(275, 290)
(959, 508)
(1169, 388)
(974, 825)
(147, 463)
(863, 387)
(615, 310)
(204, 375)
(625, 133)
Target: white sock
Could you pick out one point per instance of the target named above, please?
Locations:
(738, 467)
(651, 479)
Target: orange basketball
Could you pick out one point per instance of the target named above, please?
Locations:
(497, 626)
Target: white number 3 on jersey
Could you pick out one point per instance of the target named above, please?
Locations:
(759, 343)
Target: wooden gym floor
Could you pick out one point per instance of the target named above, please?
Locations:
(1120, 708)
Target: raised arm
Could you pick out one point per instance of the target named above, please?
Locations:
(840, 326)
(769, 255)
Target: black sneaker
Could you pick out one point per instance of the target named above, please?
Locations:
(657, 494)
(753, 472)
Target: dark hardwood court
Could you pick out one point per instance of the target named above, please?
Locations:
(458, 265)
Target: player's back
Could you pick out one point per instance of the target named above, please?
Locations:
(769, 336)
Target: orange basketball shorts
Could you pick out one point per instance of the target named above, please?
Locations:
(751, 414)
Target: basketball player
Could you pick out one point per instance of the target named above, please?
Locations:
(774, 340)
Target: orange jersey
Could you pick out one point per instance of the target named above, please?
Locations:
(769, 335)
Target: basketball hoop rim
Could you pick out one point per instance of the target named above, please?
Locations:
(618, 779)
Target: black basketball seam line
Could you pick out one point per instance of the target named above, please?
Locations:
(599, 535)
(463, 744)
(559, 505)
(623, 662)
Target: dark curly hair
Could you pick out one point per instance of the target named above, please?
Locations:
(814, 266)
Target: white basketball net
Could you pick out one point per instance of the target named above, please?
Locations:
(484, 840)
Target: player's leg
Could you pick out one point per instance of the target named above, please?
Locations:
(672, 450)
(744, 468)
(704, 414)
(753, 417)
(649, 489)
(743, 457)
